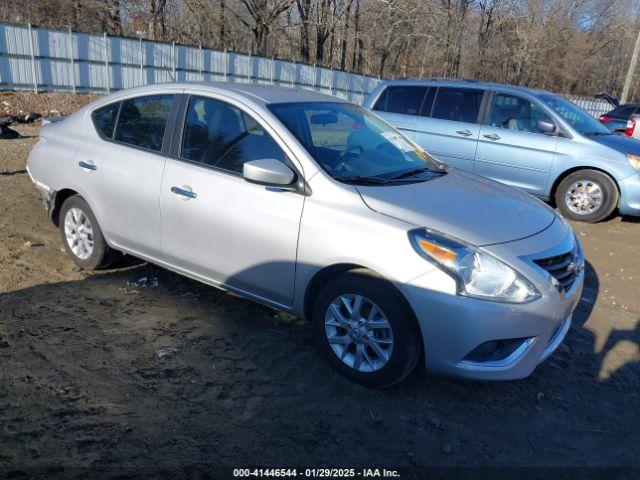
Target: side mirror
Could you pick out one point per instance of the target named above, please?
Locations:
(545, 127)
(270, 173)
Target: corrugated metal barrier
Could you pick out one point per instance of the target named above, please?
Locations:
(41, 59)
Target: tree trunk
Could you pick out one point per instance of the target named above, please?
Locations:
(223, 25)
(357, 42)
(304, 10)
(75, 20)
(115, 20)
(345, 32)
(260, 34)
(322, 29)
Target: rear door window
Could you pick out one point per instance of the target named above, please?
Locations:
(142, 121)
(104, 119)
(406, 99)
(457, 104)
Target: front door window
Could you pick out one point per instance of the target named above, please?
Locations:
(516, 113)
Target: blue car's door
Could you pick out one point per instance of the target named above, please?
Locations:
(450, 129)
(511, 149)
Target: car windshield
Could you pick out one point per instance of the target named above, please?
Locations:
(574, 115)
(353, 145)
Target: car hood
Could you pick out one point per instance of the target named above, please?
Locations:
(468, 207)
(619, 142)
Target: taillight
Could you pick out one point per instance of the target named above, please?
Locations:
(631, 126)
(604, 119)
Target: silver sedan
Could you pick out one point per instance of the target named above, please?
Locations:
(316, 207)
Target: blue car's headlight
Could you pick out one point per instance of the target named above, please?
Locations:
(477, 273)
(634, 161)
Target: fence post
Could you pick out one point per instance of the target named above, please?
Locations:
(315, 75)
(273, 69)
(295, 71)
(106, 63)
(200, 62)
(141, 60)
(331, 81)
(250, 74)
(33, 61)
(173, 61)
(71, 61)
(225, 61)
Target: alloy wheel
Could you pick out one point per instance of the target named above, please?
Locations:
(359, 333)
(78, 233)
(584, 197)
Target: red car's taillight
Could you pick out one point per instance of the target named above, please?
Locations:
(631, 126)
(604, 118)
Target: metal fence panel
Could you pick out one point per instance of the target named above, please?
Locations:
(14, 40)
(61, 60)
(594, 106)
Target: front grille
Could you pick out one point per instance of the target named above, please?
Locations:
(564, 268)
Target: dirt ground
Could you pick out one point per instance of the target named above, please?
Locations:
(82, 385)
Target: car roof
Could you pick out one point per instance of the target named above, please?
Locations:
(462, 83)
(260, 93)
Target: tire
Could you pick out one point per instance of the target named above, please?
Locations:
(375, 371)
(99, 255)
(593, 182)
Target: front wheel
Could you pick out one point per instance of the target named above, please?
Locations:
(587, 196)
(366, 330)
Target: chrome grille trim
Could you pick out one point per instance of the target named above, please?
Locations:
(564, 268)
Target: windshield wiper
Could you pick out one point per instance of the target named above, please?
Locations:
(416, 171)
(596, 134)
(361, 179)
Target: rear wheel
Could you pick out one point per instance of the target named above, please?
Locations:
(587, 196)
(81, 235)
(366, 330)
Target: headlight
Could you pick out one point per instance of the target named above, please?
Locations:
(634, 161)
(477, 273)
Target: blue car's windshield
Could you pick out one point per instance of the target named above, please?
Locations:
(351, 144)
(574, 115)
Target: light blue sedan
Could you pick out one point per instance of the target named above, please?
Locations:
(526, 138)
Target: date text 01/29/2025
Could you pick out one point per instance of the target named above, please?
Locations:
(316, 472)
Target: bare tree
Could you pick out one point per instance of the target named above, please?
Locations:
(569, 46)
(262, 14)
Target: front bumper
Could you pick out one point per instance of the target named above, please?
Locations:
(453, 326)
(630, 195)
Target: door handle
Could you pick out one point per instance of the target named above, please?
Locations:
(87, 165)
(464, 133)
(492, 136)
(184, 192)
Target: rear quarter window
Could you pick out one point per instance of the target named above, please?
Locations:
(104, 119)
(406, 100)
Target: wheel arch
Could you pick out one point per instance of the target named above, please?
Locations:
(324, 275)
(566, 173)
(59, 197)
